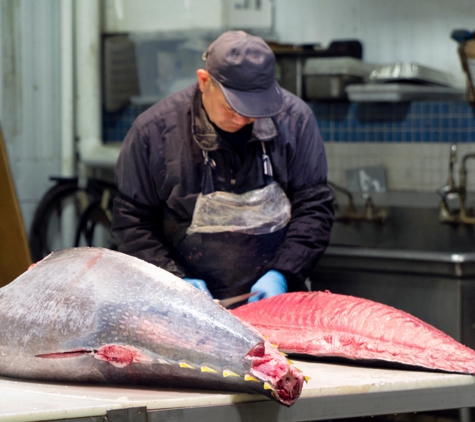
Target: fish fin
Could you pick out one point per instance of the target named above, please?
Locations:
(248, 377)
(67, 354)
(208, 369)
(228, 373)
(186, 365)
(267, 386)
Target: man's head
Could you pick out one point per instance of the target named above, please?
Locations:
(242, 66)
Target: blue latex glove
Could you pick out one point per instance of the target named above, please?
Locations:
(199, 284)
(272, 283)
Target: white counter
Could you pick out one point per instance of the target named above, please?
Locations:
(333, 391)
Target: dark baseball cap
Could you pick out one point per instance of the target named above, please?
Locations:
(244, 67)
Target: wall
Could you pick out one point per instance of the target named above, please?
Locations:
(30, 95)
(390, 31)
(152, 15)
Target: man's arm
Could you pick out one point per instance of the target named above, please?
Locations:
(137, 231)
(309, 229)
(137, 212)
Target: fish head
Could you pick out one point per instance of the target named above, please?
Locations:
(282, 380)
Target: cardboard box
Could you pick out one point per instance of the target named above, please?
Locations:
(467, 57)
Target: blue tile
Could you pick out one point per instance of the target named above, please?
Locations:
(438, 121)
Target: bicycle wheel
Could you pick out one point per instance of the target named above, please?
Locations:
(57, 216)
(93, 228)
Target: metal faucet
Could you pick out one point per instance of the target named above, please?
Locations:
(450, 190)
(466, 216)
(371, 213)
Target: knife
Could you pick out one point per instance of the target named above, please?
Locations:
(226, 303)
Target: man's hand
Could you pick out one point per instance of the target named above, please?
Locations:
(270, 284)
(199, 284)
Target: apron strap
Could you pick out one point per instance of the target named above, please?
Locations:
(207, 185)
(267, 166)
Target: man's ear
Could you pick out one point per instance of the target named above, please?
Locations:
(203, 77)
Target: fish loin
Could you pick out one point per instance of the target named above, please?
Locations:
(97, 315)
(323, 324)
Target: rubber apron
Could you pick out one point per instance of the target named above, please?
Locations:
(233, 236)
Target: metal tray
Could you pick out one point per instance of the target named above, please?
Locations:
(413, 72)
(347, 66)
(375, 92)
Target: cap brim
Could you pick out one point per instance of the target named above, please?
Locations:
(257, 105)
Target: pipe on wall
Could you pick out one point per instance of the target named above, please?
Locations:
(92, 151)
(67, 90)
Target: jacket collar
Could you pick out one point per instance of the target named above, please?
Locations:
(207, 138)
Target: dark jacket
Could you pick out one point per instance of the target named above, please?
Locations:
(160, 169)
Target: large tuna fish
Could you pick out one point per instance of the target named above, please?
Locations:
(334, 325)
(95, 315)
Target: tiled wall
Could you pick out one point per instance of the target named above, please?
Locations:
(411, 140)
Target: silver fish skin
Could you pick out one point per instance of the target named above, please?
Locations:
(93, 315)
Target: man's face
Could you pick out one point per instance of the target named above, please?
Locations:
(216, 106)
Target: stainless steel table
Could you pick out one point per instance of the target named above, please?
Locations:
(333, 391)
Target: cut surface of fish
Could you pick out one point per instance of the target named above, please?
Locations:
(99, 316)
(324, 324)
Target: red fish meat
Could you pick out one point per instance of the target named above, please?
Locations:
(324, 324)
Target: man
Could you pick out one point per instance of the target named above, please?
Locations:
(224, 182)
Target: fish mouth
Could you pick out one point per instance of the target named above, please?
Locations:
(281, 380)
(289, 387)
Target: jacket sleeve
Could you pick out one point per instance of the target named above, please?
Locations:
(137, 211)
(309, 229)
